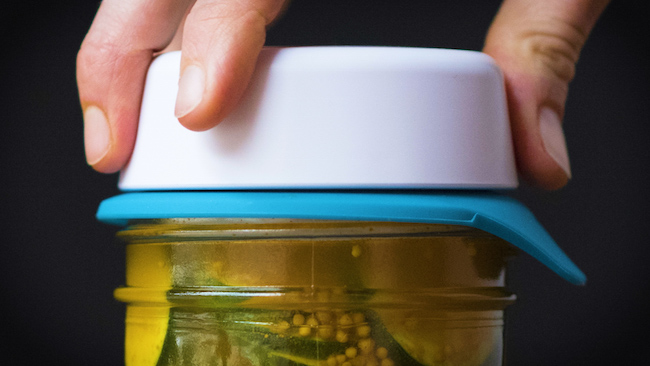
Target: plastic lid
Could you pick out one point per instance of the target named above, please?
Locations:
(335, 117)
(495, 214)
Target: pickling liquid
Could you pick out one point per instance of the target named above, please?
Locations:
(291, 292)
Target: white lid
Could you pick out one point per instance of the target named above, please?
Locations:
(335, 117)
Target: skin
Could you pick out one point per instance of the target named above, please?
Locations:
(536, 44)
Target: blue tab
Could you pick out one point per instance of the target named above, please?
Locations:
(499, 215)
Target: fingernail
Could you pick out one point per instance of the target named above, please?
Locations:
(190, 90)
(97, 135)
(550, 128)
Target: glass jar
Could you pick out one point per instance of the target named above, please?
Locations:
(339, 216)
(208, 291)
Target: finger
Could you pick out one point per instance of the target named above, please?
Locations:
(537, 44)
(111, 67)
(221, 42)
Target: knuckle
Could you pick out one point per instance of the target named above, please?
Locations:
(98, 53)
(227, 11)
(218, 23)
(93, 54)
(555, 50)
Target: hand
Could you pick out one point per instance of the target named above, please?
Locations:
(220, 39)
(536, 43)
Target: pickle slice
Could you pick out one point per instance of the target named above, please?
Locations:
(279, 337)
(146, 330)
(431, 339)
(146, 326)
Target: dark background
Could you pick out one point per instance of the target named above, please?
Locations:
(58, 266)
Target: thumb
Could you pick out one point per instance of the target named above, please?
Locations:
(537, 44)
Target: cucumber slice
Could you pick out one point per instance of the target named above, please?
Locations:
(146, 331)
(146, 326)
(278, 337)
(431, 340)
(296, 359)
(257, 335)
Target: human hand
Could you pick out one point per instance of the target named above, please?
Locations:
(220, 39)
(535, 43)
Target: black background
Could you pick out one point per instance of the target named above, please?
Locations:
(58, 266)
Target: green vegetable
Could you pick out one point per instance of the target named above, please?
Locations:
(277, 337)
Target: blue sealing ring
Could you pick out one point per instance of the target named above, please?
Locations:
(499, 215)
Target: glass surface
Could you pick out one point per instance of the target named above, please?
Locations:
(297, 292)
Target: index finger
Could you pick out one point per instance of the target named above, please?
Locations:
(111, 68)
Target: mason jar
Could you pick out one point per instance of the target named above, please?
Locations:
(209, 291)
(351, 211)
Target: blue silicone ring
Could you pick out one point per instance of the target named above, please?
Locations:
(499, 215)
